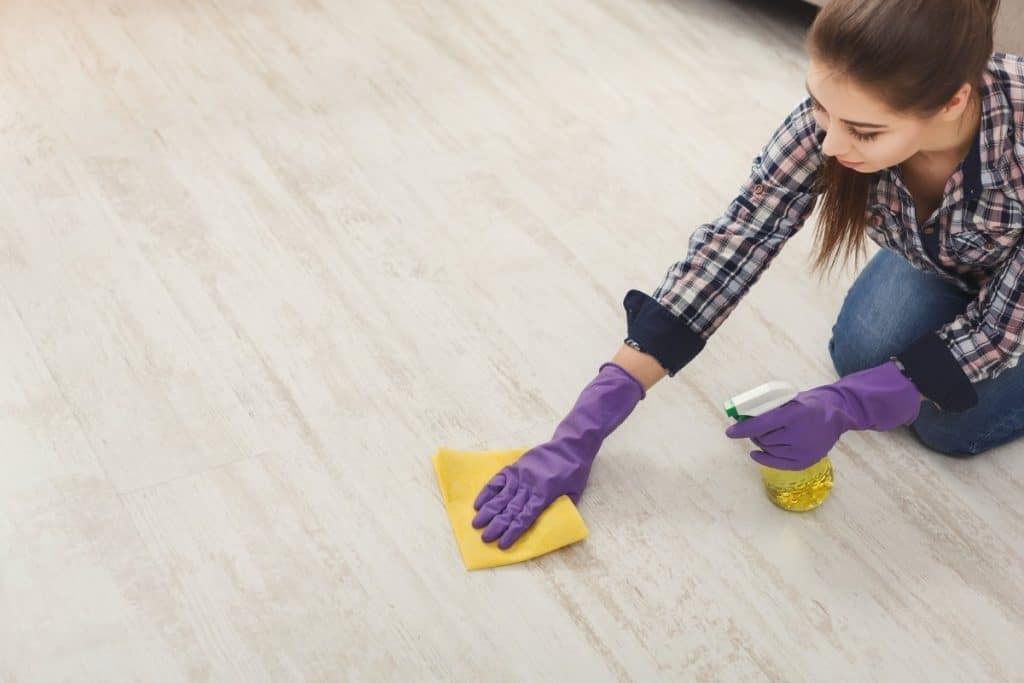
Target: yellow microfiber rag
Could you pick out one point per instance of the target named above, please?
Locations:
(462, 474)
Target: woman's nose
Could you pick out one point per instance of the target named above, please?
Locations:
(834, 145)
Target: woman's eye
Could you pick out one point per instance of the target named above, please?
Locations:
(863, 137)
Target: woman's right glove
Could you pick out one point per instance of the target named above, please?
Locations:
(513, 499)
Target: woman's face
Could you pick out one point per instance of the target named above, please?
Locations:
(861, 129)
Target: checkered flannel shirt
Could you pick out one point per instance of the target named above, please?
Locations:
(973, 241)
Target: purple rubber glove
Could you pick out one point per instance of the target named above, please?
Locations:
(799, 433)
(513, 499)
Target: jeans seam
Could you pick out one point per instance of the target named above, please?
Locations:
(1008, 418)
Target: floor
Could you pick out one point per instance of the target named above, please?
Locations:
(259, 260)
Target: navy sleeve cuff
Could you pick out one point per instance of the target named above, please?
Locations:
(937, 374)
(654, 330)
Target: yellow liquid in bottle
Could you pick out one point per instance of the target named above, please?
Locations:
(799, 490)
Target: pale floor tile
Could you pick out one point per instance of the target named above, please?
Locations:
(81, 597)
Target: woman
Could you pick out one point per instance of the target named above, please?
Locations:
(913, 131)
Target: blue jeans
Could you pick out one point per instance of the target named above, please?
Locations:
(888, 307)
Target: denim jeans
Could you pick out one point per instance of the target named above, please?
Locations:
(890, 305)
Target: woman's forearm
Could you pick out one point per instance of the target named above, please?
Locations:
(643, 367)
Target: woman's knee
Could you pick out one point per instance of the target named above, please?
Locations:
(888, 307)
(946, 434)
(854, 348)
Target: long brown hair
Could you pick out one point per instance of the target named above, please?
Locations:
(911, 54)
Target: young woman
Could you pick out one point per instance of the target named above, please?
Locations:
(913, 132)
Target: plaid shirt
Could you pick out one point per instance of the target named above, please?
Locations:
(973, 242)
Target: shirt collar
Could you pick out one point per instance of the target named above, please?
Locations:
(994, 138)
(985, 166)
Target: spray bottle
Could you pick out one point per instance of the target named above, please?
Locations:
(794, 490)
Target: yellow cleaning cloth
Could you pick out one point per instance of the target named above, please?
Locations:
(462, 474)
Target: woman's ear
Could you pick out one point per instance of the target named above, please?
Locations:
(958, 104)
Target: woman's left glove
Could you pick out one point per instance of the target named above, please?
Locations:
(797, 434)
